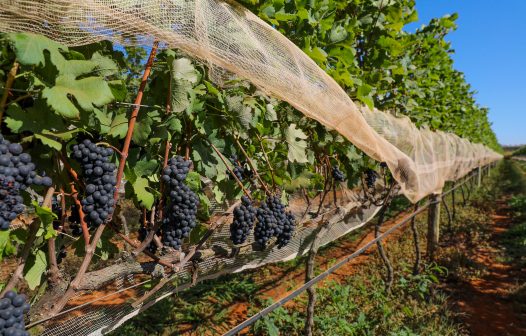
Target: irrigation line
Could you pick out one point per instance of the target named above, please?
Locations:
(262, 313)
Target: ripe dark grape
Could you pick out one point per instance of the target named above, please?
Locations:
(181, 208)
(337, 174)
(57, 210)
(370, 178)
(143, 233)
(244, 217)
(99, 177)
(238, 170)
(74, 221)
(17, 172)
(273, 220)
(12, 309)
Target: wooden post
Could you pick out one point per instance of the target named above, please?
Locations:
(433, 225)
(479, 177)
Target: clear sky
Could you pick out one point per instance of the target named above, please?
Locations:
(490, 48)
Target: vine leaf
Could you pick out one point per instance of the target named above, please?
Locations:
(29, 49)
(296, 147)
(46, 217)
(6, 248)
(144, 197)
(145, 167)
(35, 267)
(184, 76)
(193, 181)
(32, 119)
(119, 126)
(86, 91)
(271, 114)
(243, 113)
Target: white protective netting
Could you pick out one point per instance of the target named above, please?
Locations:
(229, 37)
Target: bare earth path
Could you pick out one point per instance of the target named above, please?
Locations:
(484, 300)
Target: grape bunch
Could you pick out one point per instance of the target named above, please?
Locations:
(143, 233)
(244, 217)
(12, 309)
(337, 174)
(17, 172)
(181, 208)
(273, 220)
(370, 177)
(99, 176)
(239, 170)
(265, 226)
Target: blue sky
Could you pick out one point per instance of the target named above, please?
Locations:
(490, 48)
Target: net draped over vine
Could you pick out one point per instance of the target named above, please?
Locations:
(229, 37)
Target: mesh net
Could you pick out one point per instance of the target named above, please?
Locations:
(113, 305)
(231, 39)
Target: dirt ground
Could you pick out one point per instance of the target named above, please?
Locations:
(484, 301)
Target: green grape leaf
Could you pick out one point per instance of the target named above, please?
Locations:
(193, 181)
(297, 145)
(49, 142)
(29, 49)
(144, 197)
(105, 65)
(87, 93)
(33, 119)
(46, 217)
(182, 68)
(119, 126)
(143, 129)
(271, 114)
(173, 123)
(180, 89)
(145, 168)
(243, 113)
(6, 248)
(35, 267)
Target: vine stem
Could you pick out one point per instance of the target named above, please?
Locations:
(252, 165)
(74, 194)
(110, 146)
(229, 169)
(90, 248)
(7, 87)
(35, 225)
(267, 161)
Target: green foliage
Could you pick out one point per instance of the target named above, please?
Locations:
(363, 46)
